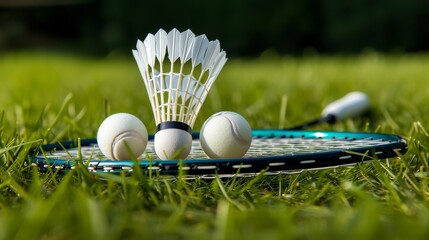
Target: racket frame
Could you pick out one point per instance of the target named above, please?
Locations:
(281, 164)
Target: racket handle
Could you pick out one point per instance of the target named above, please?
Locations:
(351, 105)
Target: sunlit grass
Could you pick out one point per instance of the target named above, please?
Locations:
(50, 97)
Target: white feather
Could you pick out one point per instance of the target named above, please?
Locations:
(218, 64)
(161, 44)
(173, 45)
(185, 45)
(142, 53)
(149, 44)
(173, 41)
(200, 47)
(212, 50)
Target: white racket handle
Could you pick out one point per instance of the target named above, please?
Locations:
(351, 105)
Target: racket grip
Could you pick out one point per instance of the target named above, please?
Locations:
(351, 105)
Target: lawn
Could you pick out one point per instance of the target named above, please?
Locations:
(47, 97)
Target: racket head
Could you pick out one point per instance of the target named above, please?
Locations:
(271, 152)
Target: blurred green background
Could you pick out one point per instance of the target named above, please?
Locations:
(244, 27)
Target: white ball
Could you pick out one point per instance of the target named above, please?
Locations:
(226, 135)
(119, 131)
(172, 143)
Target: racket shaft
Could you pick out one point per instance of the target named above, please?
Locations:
(326, 119)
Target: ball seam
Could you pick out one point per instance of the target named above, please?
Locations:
(122, 135)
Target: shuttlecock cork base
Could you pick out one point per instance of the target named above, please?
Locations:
(173, 140)
(178, 69)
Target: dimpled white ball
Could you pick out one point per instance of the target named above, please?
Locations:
(119, 131)
(226, 135)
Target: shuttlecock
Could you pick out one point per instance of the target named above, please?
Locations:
(178, 69)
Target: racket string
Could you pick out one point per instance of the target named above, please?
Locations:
(261, 147)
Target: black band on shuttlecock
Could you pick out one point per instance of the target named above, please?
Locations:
(174, 124)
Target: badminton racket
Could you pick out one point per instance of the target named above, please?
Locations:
(271, 152)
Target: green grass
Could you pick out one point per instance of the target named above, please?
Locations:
(48, 97)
